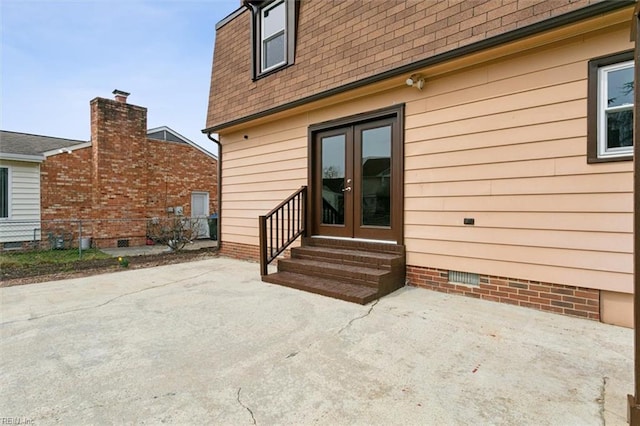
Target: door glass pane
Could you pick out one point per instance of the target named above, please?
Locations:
(376, 176)
(333, 169)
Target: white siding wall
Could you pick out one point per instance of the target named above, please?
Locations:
(24, 202)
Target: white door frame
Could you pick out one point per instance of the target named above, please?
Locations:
(204, 223)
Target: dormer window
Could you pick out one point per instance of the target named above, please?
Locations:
(272, 37)
(273, 33)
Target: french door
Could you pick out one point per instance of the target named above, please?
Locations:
(356, 180)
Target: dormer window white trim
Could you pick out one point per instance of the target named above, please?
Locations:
(273, 32)
(273, 35)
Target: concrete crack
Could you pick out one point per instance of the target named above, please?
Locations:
(601, 399)
(247, 408)
(104, 303)
(360, 317)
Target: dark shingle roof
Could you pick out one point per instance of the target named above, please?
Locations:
(26, 144)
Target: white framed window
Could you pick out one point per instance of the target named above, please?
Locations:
(615, 110)
(610, 108)
(5, 188)
(273, 41)
(273, 34)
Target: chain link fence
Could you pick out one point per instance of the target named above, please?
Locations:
(84, 234)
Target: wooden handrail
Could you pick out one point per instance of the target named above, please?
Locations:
(290, 222)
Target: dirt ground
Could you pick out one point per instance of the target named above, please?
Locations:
(19, 275)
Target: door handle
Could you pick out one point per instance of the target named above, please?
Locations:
(347, 189)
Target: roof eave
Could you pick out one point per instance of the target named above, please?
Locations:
(230, 17)
(185, 139)
(66, 150)
(22, 157)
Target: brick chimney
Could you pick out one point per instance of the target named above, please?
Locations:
(121, 96)
(119, 163)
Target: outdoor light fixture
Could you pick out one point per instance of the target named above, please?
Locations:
(63, 150)
(416, 80)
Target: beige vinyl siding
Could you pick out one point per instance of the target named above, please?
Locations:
(505, 144)
(258, 173)
(24, 202)
(261, 170)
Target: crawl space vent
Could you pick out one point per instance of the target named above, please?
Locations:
(464, 278)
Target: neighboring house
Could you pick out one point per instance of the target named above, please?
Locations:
(507, 127)
(21, 157)
(114, 183)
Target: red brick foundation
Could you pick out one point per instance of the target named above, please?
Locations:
(247, 252)
(562, 299)
(558, 298)
(240, 251)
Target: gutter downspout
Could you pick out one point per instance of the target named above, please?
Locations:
(219, 195)
(254, 13)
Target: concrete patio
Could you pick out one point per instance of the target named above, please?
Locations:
(208, 343)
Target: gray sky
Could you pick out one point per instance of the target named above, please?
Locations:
(57, 55)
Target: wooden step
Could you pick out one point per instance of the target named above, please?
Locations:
(352, 244)
(324, 286)
(348, 256)
(352, 274)
(353, 270)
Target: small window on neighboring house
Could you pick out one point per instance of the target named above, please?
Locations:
(273, 35)
(610, 110)
(4, 192)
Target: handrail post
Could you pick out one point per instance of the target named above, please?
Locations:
(304, 212)
(262, 222)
